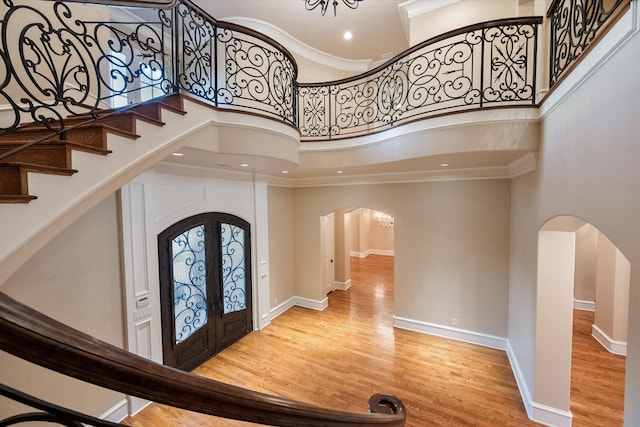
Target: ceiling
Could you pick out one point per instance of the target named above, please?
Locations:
(378, 32)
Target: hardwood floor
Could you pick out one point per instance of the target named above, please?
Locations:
(597, 378)
(339, 357)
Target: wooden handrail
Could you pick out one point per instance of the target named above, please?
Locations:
(163, 4)
(32, 336)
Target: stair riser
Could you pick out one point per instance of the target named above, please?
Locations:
(95, 137)
(13, 181)
(59, 156)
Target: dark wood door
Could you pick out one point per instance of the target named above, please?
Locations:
(205, 287)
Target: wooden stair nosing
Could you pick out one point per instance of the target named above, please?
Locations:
(56, 142)
(16, 198)
(124, 115)
(33, 167)
(31, 134)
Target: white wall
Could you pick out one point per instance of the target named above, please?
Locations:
(76, 280)
(585, 270)
(587, 168)
(451, 247)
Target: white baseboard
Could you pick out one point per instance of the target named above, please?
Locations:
(342, 286)
(383, 252)
(613, 346)
(452, 333)
(117, 413)
(584, 305)
(549, 416)
(300, 302)
(311, 303)
(282, 307)
(520, 381)
(537, 412)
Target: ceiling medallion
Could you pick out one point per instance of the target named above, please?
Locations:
(324, 4)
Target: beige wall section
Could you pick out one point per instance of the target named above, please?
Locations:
(458, 15)
(367, 236)
(75, 279)
(281, 248)
(585, 272)
(587, 167)
(342, 272)
(451, 247)
(380, 238)
(612, 290)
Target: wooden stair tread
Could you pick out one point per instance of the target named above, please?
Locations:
(33, 167)
(16, 198)
(88, 134)
(6, 145)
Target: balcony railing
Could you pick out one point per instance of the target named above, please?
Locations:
(55, 62)
(490, 64)
(576, 25)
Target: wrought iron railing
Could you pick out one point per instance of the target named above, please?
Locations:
(575, 27)
(489, 64)
(54, 62)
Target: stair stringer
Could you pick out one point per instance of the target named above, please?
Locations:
(26, 228)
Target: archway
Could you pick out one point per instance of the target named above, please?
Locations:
(561, 254)
(357, 233)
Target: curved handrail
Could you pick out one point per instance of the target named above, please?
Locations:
(162, 4)
(487, 64)
(30, 335)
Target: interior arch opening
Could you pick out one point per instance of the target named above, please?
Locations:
(581, 326)
(362, 239)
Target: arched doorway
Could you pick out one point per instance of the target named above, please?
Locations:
(564, 253)
(355, 233)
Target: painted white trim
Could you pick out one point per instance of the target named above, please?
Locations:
(282, 307)
(311, 303)
(463, 335)
(117, 412)
(549, 416)
(583, 305)
(613, 346)
(520, 381)
(342, 286)
(357, 254)
(537, 412)
(383, 252)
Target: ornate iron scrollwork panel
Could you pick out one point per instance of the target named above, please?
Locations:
(189, 269)
(574, 26)
(490, 64)
(233, 272)
(58, 65)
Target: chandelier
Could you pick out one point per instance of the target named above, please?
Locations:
(324, 4)
(384, 220)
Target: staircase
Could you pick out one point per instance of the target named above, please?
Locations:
(50, 154)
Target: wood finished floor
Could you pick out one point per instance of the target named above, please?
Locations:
(339, 357)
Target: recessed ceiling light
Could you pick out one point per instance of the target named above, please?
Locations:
(444, 165)
(285, 171)
(340, 172)
(177, 154)
(348, 35)
(244, 165)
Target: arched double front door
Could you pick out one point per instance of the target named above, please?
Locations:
(205, 287)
